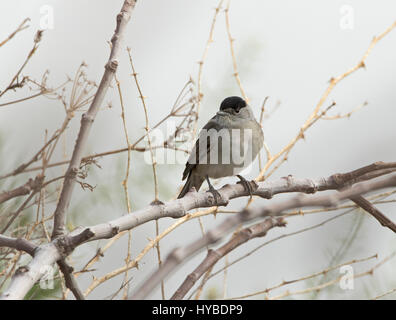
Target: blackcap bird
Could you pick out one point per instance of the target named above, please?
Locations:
(227, 144)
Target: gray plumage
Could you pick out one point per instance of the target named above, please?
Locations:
(227, 144)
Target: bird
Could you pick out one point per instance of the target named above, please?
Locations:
(241, 139)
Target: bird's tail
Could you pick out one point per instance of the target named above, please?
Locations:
(193, 180)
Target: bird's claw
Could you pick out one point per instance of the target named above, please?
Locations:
(247, 185)
(216, 195)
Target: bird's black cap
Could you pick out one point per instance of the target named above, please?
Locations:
(234, 102)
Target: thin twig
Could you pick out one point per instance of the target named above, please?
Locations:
(310, 276)
(21, 27)
(234, 63)
(213, 256)
(314, 114)
(125, 181)
(331, 282)
(384, 294)
(147, 127)
(12, 84)
(201, 64)
(153, 161)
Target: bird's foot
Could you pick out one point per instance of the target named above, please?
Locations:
(250, 186)
(216, 195)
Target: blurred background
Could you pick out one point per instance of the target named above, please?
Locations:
(286, 50)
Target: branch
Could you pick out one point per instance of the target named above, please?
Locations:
(180, 207)
(90, 158)
(332, 282)
(180, 255)
(22, 190)
(115, 228)
(64, 245)
(367, 206)
(15, 214)
(23, 166)
(282, 236)
(258, 230)
(323, 98)
(304, 278)
(21, 27)
(234, 62)
(18, 243)
(384, 294)
(13, 85)
(181, 108)
(45, 256)
(26, 276)
(88, 118)
(70, 281)
(201, 64)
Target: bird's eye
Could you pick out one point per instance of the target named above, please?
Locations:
(236, 110)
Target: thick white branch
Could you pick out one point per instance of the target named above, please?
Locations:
(267, 189)
(180, 207)
(182, 254)
(25, 277)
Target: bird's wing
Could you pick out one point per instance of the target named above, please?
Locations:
(196, 154)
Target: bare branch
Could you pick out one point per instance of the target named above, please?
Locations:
(367, 206)
(22, 190)
(18, 243)
(201, 64)
(26, 276)
(319, 105)
(334, 281)
(14, 81)
(21, 27)
(180, 255)
(234, 62)
(88, 118)
(258, 230)
(266, 189)
(313, 275)
(384, 294)
(70, 281)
